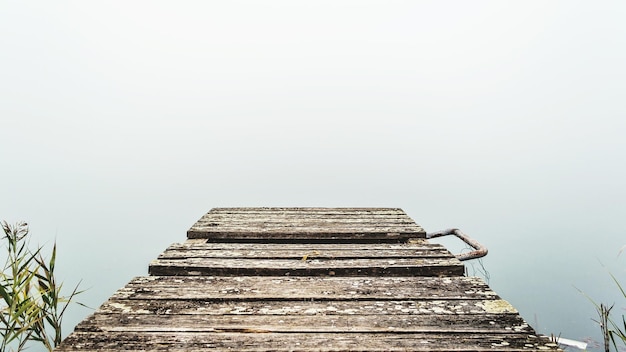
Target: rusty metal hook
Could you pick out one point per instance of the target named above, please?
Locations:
(478, 252)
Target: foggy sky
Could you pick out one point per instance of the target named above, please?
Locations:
(121, 123)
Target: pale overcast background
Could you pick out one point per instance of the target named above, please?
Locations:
(123, 122)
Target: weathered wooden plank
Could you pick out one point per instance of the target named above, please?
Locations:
(311, 226)
(269, 235)
(314, 223)
(314, 267)
(202, 244)
(332, 215)
(306, 253)
(336, 214)
(314, 218)
(298, 229)
(281, 232)
(223, 288)
(301, 307)
(302, 221)
(305, 210)
(241, 340)
(318, 220)
(355, 323)
(329, 212)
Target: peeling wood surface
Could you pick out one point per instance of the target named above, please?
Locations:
(443, 324)
(297, 313)
(264, 341)
(417, 249)
(339, 294)
(213, 306)
(306, 223)
(315, 267)
(254, 288)
(238, 259)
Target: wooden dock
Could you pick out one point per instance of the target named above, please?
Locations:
(305, 279)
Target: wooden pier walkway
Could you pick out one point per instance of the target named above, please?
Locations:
(305, 279)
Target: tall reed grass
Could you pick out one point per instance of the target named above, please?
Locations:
(613, 330)
(31, 304)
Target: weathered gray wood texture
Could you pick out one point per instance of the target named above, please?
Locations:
(276, 259)
(382, 224)
(318, 296)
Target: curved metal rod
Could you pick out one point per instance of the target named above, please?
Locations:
(478, 252)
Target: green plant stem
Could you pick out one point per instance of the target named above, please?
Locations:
(31, 304)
